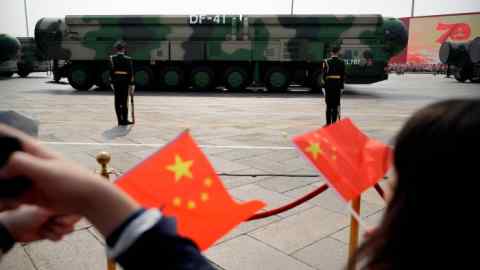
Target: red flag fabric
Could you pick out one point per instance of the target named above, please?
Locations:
(180, 180)
(350, 161)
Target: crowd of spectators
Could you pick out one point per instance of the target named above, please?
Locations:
(417, 68)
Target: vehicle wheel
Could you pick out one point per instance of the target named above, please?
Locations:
(461, 75)
(202, 78)
(316, 81)
(23, 73)
(80, 77)
(56, 77)
(236, 79)
(277, 79)
(143, 77)
(300, 77)
(172, 78)
(103, 79)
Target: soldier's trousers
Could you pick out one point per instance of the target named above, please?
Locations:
(121, 102)
(332, 98)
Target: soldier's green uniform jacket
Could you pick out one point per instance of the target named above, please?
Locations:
(121, 71)
(334, 70)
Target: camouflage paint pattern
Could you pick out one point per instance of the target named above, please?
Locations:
(31, 58)
(367, 41)
(9, 51)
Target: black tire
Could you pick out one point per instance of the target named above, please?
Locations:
(103, 79)
(80, 77)
(56, 77)
(300, 77)
(143, 77)
(172, 78)
(23, 72)
(316, 80)
(202, 78)
(277, 79)
(236, 79)
(460, 76)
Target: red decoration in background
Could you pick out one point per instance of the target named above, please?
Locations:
(455, 31)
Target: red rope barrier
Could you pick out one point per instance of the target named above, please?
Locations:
(380, 191)
(302, 200)
(291, 205)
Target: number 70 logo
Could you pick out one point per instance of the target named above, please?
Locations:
(453, 31)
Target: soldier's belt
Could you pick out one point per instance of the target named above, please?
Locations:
(338, 77)
(120, 73)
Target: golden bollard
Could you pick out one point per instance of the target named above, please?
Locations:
(103, 158)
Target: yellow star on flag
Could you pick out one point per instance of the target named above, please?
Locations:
(204, 196)
(177, 201)
(314, 149)
(181, 168)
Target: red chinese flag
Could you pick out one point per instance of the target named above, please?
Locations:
(350, 161)
(180, 180)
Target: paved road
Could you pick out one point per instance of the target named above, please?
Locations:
(242, 133)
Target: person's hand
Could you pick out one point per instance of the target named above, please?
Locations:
(63, 186)
(31, 223)
(57, 184)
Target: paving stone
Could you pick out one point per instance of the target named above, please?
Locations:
(246, 253)
(223, 165)
(344, 234)
(80, 250)
(249, 226)
(223, 119)
(326, 254)
(16, 259)
(298, 231)
(284, 184)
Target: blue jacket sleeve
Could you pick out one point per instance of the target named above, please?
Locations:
(161, 248)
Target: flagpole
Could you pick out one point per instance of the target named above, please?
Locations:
(291, 9)
(413, 9)
(360, 221)
(355, 207)
(26, 17)
(103, 158)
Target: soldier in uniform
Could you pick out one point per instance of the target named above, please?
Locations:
(121, 74)
(334, 72)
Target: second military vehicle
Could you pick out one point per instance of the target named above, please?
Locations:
(31, 59)
(9, 52)
(205, 51)
(464, 58)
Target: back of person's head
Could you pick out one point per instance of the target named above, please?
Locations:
(434, 203)
(335, 49)
(120, 46)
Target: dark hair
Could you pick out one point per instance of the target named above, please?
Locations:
(435, 158)
(120, 45)
(335, 49)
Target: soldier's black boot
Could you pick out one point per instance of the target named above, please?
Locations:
(328, 117)
(125, 116)
(119, 115)
(334, 115)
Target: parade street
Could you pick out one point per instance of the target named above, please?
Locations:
(247, 138)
